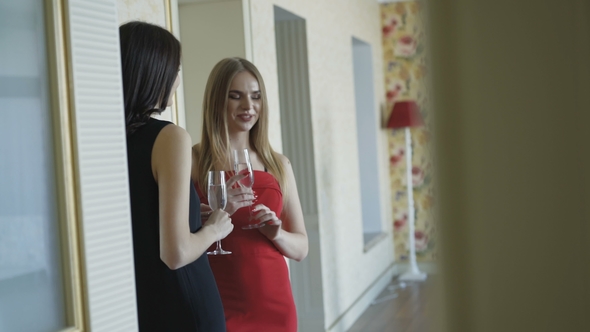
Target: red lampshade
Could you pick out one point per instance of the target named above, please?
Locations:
(405, 114)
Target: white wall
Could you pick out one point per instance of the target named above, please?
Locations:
(347, 271)
(152, 11)
(209, 32)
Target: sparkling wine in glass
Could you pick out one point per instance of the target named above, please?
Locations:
(217, 196)
(242, 165)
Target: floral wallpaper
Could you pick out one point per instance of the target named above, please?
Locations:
(405, 66)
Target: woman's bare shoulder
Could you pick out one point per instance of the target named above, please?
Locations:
(284, 160)
(172, 136)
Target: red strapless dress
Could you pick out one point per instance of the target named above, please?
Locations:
(254, 281)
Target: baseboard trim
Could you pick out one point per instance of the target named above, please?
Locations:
(356, 309)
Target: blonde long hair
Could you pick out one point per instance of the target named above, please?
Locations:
(214, 148)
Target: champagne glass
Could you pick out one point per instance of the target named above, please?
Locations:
(217, 196)
(242, 165)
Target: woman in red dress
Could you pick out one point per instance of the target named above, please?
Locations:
(254, 280)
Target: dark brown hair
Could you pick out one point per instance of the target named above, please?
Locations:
(150, 59)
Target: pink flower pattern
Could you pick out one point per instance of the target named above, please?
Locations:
(405, 73)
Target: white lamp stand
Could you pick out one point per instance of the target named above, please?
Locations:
(413, 273)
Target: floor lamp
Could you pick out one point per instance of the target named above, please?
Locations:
(405, 114)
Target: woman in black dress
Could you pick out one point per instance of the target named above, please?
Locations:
(175, 287)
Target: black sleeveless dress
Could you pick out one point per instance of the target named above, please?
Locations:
(179, 300)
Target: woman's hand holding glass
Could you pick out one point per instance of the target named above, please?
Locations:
(238, 196)
(220, 223)
(243, 165)
(268, 218)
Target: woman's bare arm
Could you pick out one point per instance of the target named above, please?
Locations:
(287, 233)
(171, 165)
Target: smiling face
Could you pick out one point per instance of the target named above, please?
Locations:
(244, 102)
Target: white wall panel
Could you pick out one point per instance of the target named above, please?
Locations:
(297, 138)
(102, 164)
(296, 124)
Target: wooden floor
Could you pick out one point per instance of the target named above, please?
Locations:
(398, 309)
